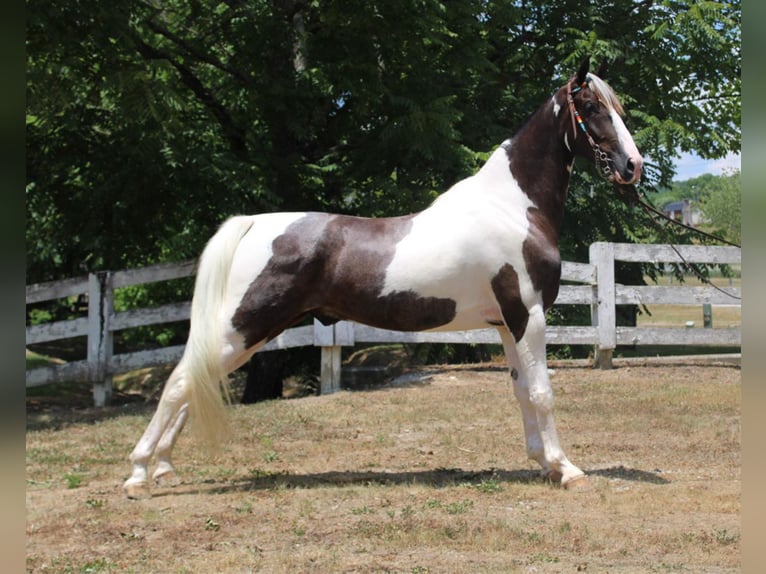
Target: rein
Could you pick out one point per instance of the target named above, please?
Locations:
(601, 157)
(605, 170)
(654, 213)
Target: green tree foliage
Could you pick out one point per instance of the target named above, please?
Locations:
(150, 122)
(722, 205)
(690, 189)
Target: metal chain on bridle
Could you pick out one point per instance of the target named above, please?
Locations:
(605, 171)
(601, 157)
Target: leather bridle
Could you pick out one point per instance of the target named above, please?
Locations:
(601, 157)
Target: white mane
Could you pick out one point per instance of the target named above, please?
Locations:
(605, 93)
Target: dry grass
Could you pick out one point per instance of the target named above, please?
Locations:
(679, 315)
(724, 316)
(425, 477)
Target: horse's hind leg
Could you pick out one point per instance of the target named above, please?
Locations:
(172, 401)
(161, 435)
(165, 469)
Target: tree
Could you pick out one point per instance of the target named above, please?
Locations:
(150, 122)
(722, 205)
(160, 119)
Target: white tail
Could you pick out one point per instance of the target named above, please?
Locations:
(206, 380)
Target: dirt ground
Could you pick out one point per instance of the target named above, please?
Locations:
(425, 473)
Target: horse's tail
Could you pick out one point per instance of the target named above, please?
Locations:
(205, 376)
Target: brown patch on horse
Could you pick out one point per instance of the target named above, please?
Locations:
(539, 166)
(505, 286)
(334, 267)
(542, 257)
(538, 163)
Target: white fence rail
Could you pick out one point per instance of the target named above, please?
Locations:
(597, 289)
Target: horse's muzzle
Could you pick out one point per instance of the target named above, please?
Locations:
(631, 172)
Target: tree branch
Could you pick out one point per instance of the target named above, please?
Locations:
(231, 131)
(197, 54)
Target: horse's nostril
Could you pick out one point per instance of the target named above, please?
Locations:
(631, 167)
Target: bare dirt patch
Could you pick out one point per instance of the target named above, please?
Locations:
(425, 476)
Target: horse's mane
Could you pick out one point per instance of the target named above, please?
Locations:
(605, 93)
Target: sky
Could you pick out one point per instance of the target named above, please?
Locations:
(690, 165)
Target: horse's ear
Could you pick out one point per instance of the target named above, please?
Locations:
(602, 70)
(582, 73)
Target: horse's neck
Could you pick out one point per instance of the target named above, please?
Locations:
(540, 165)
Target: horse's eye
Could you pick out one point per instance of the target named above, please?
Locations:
(590, 108)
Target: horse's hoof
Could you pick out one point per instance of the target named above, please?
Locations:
(165, 477)
(552, 476)
(165, 473)
(137, 490)
(578, 483)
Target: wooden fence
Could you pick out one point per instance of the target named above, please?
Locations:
(596, 288)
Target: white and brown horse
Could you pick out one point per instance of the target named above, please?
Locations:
(485, 253)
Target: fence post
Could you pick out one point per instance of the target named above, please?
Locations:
(331, 338)
(100, 308)
(603, 311)
(707, 315)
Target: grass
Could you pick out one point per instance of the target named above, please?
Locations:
(427, 478)
(724, 316)
(35, 360)
(680, 315)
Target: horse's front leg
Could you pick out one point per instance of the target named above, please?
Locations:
(533, 440)
(532, 387)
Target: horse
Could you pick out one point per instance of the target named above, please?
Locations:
(485, 252)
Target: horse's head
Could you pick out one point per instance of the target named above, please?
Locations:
(593, 127)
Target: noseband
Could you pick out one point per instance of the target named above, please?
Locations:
(601, 157)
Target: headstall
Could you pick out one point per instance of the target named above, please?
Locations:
(601, 157)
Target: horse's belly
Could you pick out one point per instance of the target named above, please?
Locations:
(478, 317)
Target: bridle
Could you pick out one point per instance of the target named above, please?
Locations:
(601, 157)
(605, 170)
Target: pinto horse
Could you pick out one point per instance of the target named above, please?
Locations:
(484, 253)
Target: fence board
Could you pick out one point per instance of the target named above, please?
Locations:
(56, 289)
(77, 371)
(126, 362)
(151, 316)
(678, 336)
(571, 335)
(154, 273)
(59, 330)
(652, 253)
(295, 337)
(678, 295)
(579, 272)
(365, 334)
(576, 295)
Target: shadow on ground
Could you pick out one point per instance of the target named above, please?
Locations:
(434, 478)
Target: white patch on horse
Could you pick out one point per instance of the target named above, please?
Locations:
(556, 107)
(485, 219)
(250, 259)
(623, 135)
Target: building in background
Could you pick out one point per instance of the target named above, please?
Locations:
(684, 211)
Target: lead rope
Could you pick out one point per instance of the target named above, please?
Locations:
(652, 211)
(604, 169)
